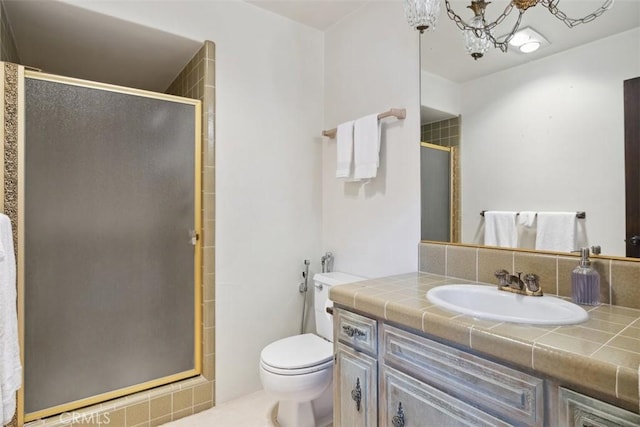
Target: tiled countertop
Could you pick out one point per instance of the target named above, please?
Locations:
(601, 355)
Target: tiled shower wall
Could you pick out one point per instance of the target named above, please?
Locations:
(8, 51)
(445, 132)
(197, 81)
(619, 278)
(165, 403)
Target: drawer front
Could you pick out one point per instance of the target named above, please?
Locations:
(508, 393)
(356, 389)
(577, 410)
(406, 402)
(356, 331)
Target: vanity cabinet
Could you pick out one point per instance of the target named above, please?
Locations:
(451, 387)
(389, 377)
(577, 410)
(356, 370)
(407, 402)
(356, 385)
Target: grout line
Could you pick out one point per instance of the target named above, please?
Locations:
(617, 380)
(446, 260)
(513, 261)
(470, 337)
(477, 264)
(425, 313)
(611, 339)
(533, 366)
(557, 276)
(610, 281)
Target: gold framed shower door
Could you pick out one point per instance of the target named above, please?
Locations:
(14, 193)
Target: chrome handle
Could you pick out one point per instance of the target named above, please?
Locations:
(398, 418)
(351, 332)
(356, 394)
(193, 237)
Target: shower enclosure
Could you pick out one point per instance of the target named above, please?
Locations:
(436, 192)
(109, 218)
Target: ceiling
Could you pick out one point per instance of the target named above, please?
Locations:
(442, 51)
(64, 39)
(319, 14)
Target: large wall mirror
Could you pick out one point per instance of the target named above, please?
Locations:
(537, 132)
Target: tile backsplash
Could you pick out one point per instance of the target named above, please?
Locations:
(619, 279)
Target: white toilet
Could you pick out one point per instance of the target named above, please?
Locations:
(298, 370)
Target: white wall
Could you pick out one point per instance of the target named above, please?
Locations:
(269, 90)
(440, 94)
(372, 64)
(549, 135)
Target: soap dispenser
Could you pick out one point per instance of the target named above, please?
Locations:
(585, 281)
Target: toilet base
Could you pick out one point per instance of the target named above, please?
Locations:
(316, 413)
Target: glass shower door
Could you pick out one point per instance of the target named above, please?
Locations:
(436, 192)
(111, 201)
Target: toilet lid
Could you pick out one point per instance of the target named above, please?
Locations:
(297, 352)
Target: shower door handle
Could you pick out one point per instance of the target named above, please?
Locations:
(193, 237)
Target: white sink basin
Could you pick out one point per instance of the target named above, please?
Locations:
(486, 302)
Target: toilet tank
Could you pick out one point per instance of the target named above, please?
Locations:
(323, 282)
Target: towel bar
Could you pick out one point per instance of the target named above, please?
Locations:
(579, 214)
(399, 113)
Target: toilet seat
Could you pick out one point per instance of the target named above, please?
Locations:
(297, 355)
(302, 371)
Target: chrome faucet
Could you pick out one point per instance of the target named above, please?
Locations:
(511, 283)
(327, 262)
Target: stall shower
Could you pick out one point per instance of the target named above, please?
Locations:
(109, 237)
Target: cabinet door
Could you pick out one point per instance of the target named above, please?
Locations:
(406, 402)
(356, 389)
(577, 410)
(509, 394)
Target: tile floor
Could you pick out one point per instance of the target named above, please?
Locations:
(254, 410)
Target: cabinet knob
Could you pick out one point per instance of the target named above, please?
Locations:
(356, 394)
(398, 418)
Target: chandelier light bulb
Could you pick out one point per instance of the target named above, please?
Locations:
(476, 45)
(422, 14)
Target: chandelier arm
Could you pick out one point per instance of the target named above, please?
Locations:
(502, 17)
(455, 18)
(552, 5)
(464, 26)
(504, 44)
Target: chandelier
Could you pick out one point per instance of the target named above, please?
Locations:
(478, 33)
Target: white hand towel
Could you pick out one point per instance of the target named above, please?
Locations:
(10, 366)
(366, 147)
(344, 148)
(526, 225)
(500, 229)
(556, 231)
